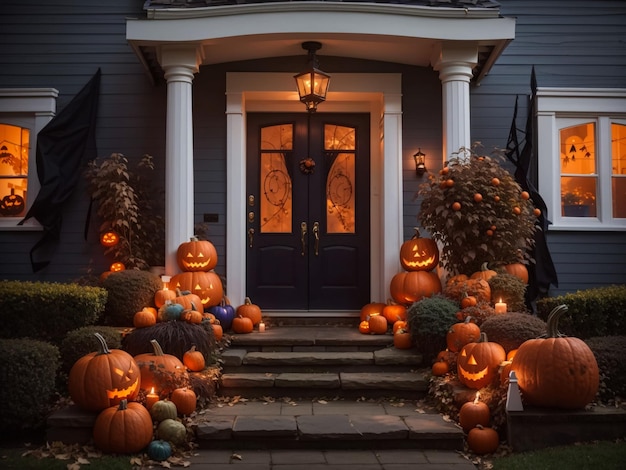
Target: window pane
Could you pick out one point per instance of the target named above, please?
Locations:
(578, 196)
(577, 145)
(276, 188)
(618, 158)
(340, 196)
(14, 143)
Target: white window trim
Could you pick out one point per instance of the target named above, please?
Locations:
(597, 105)
(37, 106)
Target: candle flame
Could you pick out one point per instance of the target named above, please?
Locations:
(152, 391)
(477, 397)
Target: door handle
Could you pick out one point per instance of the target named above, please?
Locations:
(250, 237)
(303, 230)
(316, 234)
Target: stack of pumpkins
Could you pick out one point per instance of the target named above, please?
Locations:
(377, 318)
(108, 382)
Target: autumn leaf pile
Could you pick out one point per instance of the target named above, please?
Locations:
(478, 213)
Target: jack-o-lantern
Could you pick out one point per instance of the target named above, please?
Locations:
(409, 287)
(117, 267)
(196, 255)
(419, 254)
(477, 363)
(206, 285)
(12, 204)
(104, 378)
(109, 238)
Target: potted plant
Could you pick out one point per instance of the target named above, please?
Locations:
(577, 203)
(127, 203)
(478, 213)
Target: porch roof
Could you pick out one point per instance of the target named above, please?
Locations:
(400, 31)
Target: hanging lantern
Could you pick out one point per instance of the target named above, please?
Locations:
(109, 238)
(117, 266)
(312, 83)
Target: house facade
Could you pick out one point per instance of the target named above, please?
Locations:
(308, 210)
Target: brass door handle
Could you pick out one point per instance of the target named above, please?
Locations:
(303, 230)
(316, 234)
(250, 237)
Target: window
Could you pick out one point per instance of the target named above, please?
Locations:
(582, 157)
(23, 113)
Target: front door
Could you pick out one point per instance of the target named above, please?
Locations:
(308, 243)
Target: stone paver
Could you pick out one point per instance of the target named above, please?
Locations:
(305, 358)
(265, 427)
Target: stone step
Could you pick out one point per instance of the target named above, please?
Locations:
(412, 385)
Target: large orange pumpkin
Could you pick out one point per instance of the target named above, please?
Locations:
(462, 333)
(378, 324)
(485, 273)
(409, 287)
(188, 300)
(473, 413)
(477, 363)
(394, 312)
(196, 255)
(206, 285)
(123, 429)
(104, 378)
(250, 310)
(370, 309)
(518, 270)
(556, 371)
(419, 254)
(157, 360)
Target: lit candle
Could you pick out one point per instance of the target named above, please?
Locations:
(500, 307)
(166, 281)
(261, 327)
(151, 399)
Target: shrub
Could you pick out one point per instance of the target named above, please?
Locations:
(608, 351)
(593, 312)
(77, 343)
(129, 292)
(429, 320)
(28, 371)
(512, 329)
(47, 311)
(510, 289)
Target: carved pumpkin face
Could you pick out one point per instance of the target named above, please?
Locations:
(206, 285)
(419, 254)
(116, 267)
(109, 239)
(12, 204)
(102, 379)
(477, 363)
(196, 255)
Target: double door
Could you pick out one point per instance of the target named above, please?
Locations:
(308, 242)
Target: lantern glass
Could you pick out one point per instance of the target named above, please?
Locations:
(312, 84)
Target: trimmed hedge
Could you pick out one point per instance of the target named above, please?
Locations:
(47, 311)
(129, 291)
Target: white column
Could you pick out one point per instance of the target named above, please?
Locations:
(455, 62)
(179, 63)
(392, 235)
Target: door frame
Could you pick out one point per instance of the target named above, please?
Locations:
(377, 94)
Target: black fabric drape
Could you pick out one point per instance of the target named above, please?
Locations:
(64, 145)
(541, 273)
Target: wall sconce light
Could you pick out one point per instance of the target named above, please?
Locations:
(420, 162)
(312, 83)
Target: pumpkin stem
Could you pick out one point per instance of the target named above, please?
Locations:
(158, 350)
(104, 348)
(553, 321)
(193, 238)
(483, 267)
(123, 405)
(417, 233)
(247, 301)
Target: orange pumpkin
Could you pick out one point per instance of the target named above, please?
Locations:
(372, 308)
(440, 368)
(459, 286)
(192, 316)
(188, 300)
(206, 285)
(473, 413)
(162, 296)
(218, 331)
(518, 270)
(157, 360)
(394, 312)
(104, 378)
(378, 324)
(185, 400)
(123, 429)
(402, 339)
(462, 333)
(364, 327)
(194, 360)
(468, 301)
(144, 318)
(250, 310)
(478, 363)
(242, 325)
(409, 287)
(485, 273)
(400, 324)
(196, 255)
(483, 440)
(419, 254)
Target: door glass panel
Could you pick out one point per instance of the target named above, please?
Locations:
(618, 159)
(578, 171)
(276, 186)
(339, 144)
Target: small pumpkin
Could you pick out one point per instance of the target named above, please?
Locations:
(378, 324)
(196, 255)
(473, 413)
(419, 254)
(242, 325)
(104, 378)
(185, 400)
(225, 313)
(172, 430)
(218, 331)
(144, 318)
(170, 311)
(149, 362)
(162, 296)
(159, 450)
(123, 429)
(462, 333)
(192, 316)
(250, 310)
(449, 357)
(364, 327)
(394, 312)
(400, 324)
(402, 339)
(194, 360)
(483, 440)
(163, 409)
(440, 368)
(555, 370)
(188, 300)
(518, 270)
(371, 308)
(478, 363)
(468, 301)
(484, 273)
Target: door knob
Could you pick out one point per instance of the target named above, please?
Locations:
(316, 234)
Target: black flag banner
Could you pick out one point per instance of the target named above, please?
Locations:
(64, 145)
(541, 273)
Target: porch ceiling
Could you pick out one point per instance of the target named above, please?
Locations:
(404, 34)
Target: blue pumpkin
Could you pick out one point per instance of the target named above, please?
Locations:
(224, 314)
(170, 311)
(159, 450)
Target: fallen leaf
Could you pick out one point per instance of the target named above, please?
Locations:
(322, 402)
(236, 457)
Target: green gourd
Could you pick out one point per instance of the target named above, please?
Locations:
(162, 410)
